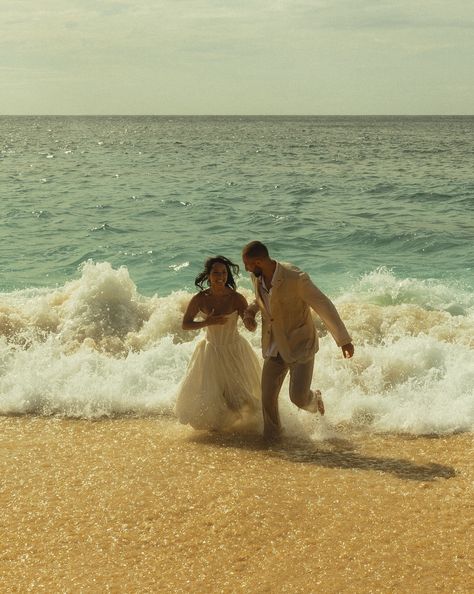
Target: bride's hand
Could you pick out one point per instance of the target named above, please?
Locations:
(215, 319)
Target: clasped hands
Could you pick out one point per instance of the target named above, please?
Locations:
(249, 321)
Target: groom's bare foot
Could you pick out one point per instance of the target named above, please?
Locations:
(319, 402)
(316, 404)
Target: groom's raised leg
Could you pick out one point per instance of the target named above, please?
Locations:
(301, 376)
(273, 373)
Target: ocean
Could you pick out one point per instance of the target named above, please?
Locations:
(107, 220)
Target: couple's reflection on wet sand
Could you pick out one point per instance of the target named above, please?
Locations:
(338, 453)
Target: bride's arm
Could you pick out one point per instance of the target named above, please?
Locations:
(243, 309)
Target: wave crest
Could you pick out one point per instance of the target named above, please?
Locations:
(96, 347)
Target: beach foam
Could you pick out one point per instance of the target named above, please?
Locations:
(97, 347)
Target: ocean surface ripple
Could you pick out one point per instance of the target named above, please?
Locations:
(338, 196)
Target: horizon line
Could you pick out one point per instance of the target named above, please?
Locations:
(237, 115)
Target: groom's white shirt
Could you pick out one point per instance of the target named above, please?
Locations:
(265, 294)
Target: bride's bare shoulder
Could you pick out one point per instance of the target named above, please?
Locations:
(197, 299)
(240, 302)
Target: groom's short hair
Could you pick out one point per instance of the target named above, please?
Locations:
(255, 249)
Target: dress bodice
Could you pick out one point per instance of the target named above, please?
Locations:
(220, 335)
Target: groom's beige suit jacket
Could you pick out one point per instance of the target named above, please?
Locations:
(290, 321)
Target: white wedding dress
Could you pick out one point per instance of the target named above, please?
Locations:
(222, 381)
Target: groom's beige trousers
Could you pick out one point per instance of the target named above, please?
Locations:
(273, 374)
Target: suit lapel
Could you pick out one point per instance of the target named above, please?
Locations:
(256, 288)
(279, 276)
(276, 283)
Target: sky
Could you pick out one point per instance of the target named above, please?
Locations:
(262, 57)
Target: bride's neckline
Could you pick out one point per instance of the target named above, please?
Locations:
(221, 301)
(220, 314)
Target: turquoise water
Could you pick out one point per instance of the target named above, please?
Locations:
(339, 196)
(107, 220)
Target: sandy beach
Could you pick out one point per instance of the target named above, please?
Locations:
(145, 505)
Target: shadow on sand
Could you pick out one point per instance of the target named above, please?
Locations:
(332, 453)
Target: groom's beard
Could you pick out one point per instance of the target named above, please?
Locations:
(257, 272)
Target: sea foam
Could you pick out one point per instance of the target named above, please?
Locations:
(96, 347)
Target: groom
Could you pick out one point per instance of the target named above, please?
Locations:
(284, 295)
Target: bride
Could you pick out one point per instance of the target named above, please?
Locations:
(222, 383)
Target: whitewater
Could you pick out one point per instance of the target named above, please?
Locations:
(95, 347)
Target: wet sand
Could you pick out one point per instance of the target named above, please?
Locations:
(145, 505)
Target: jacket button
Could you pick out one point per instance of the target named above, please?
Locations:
(271, 319)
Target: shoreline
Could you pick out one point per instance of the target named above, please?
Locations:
(147, 505)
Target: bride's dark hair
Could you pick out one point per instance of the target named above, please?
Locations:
(204, 275)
